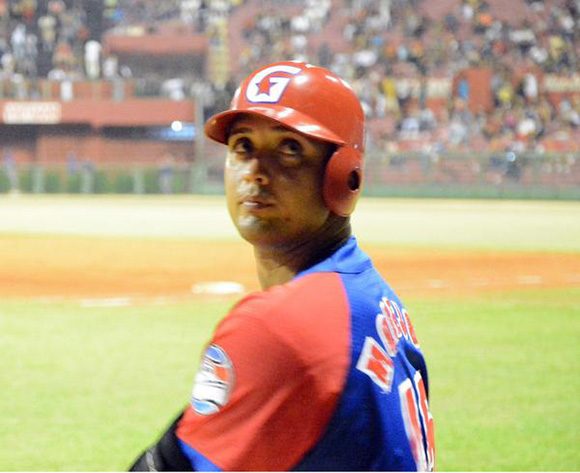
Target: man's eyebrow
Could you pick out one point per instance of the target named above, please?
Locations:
(238, 130)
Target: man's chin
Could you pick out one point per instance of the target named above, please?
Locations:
(252, 228)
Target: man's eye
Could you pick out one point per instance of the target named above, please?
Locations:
(291, 147)
(291, 152)
(242, 146)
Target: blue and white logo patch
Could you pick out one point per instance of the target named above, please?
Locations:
(214, 382)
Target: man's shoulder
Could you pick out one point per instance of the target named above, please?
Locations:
(304, 308)
(297, 295)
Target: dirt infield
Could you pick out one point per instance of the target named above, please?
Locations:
(79, 267)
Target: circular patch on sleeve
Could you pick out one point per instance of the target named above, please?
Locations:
(213, 382)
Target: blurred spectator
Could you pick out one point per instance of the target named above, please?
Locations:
(569, 114)
(167, 173)
(529, 88)
(93, 59)
(47, 26)
(10, 169)
(173, 89)
(111, 67)
(72, 164)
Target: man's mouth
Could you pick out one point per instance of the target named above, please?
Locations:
(254, 203)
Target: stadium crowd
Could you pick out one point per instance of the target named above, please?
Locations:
(380, 45)
(386, 40)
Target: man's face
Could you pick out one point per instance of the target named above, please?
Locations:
(273, 180)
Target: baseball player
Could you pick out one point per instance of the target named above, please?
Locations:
(321, 369)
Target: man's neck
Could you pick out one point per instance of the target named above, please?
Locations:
(278, 265)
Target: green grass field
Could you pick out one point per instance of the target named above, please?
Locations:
(86, 388)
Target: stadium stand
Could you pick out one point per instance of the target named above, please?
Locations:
(440, 80)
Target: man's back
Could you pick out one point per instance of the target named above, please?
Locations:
(323, 375)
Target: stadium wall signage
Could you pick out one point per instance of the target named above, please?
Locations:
(32, 113)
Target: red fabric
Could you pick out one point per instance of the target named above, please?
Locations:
(290, 350)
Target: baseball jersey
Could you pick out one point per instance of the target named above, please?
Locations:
(321, 373)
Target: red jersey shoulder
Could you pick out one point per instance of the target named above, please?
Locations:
(291, 296)
(278, 354)
(310, 315)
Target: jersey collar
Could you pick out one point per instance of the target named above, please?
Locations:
(349, 258)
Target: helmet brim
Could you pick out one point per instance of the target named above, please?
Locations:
(218, 126)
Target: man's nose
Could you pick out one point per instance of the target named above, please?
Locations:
(255, 171)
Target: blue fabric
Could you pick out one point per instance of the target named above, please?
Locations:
(367, 431)
(198, 461)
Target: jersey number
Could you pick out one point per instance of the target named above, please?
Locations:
(418, 422)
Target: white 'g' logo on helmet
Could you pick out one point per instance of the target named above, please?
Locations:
(265, 87)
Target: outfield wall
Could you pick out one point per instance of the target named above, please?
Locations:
(409, 174)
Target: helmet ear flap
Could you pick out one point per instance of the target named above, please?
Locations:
(342, 182)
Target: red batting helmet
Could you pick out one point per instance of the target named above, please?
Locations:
(315, 102)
